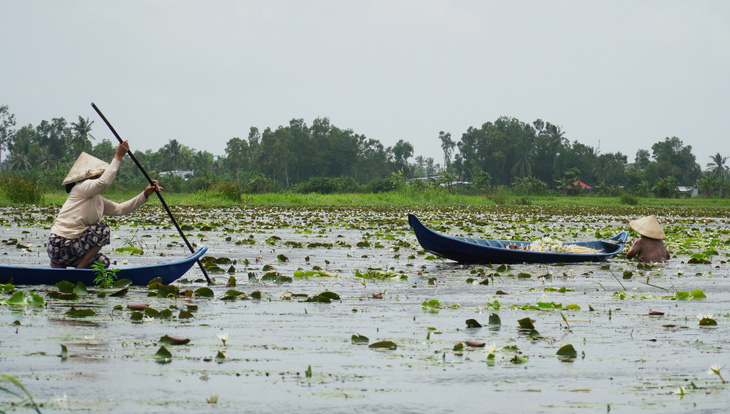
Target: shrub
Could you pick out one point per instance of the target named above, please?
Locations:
(22, 190)
(227, 190)
(628, 199)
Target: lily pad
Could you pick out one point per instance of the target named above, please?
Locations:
(80, 313)
(383, 345)
(172, 340)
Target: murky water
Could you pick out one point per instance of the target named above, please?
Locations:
(626, 359)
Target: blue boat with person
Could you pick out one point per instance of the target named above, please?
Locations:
(139, 275)
(472, 250)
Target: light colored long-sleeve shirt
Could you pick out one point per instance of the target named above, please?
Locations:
(85, 205)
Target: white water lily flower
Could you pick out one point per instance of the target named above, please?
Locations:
(679, 390)
(148, 319)
(223, 336)
(492, 348)
(714, 369)
(708, 316)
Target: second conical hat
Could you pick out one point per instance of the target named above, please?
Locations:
(86, 166)
(649, 227)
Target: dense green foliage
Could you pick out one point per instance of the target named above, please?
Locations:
(504, 155)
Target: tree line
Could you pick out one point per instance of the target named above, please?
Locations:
(506, 154)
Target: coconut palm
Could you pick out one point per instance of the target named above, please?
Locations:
(717, 167)
(82, 132)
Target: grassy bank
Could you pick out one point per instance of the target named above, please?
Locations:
(397, 199)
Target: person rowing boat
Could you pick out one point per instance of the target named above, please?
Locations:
(78, 234)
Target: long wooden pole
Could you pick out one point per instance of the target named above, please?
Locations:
(162, 200)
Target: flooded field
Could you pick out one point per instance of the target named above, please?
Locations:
(340, 310)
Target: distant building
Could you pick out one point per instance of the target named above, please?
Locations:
(179, 173)
(690, 191)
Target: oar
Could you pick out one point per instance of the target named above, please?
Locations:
(162, 200)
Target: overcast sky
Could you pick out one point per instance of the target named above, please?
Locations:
(616, 75)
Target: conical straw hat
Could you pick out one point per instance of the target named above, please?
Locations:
(86, 166)
(649, 227)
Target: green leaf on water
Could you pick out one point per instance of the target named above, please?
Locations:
(221, 355)
(151, 312)
(473, 323)
(204, 292)
(358, 339)
(431, 304)
(308, 372)
(122, 283)
(80, 289)
(698, 294)
(65, 286)
(519, 359)
(64, 352)
(163, 353)
(18, 298)
(232, 294)
(184, 314)
(458, 347)
(171, 340)
(567, 351)
(119, 293)
(526, 323)
(283, 279)
(680, 295)
(383, 345)
(166, 314)
(130, 250)
(136, 316)
(36, 299)
(80, 313)
(494, 319)
(231, 282)
(167, 291)
(282, 258)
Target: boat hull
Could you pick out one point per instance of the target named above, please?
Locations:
(469, 250)
(139, 275)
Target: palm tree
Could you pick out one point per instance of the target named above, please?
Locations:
(172, 150)
(718, 167)
(82, 131)
(522, 167)
(18, 161)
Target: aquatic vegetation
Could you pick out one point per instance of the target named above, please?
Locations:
(278, 313)
(707, 320)
(105, 277)
(715, 370)
(17, 390)
(19, 298)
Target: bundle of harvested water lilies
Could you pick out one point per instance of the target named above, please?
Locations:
(548, 244)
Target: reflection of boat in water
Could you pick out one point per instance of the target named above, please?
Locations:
(139, 275)
(470, 250)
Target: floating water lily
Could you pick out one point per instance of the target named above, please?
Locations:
(223, 336)
(707, 320)
(715, 370)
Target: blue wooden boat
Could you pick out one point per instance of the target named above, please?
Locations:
(139, 275)
(470, 250)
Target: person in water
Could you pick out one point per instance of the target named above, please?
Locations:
(78, 234)
(650, 247)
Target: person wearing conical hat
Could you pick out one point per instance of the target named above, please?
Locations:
(650, 247)
(78, 234)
